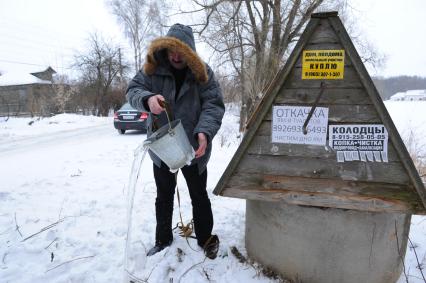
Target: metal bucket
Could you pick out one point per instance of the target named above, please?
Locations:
(171, 145)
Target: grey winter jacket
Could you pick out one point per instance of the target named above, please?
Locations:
(199, 104)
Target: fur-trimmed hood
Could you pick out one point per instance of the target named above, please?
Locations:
(197, 66)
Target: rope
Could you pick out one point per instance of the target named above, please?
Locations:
(185, 230)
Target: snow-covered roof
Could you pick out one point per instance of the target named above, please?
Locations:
(413, 92)
(398, 95)
(12, 78)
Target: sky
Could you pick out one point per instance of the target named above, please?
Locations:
(36, 34)
(397, 30)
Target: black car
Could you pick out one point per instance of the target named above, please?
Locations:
(128, 118)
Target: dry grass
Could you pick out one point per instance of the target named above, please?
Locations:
(417, 151)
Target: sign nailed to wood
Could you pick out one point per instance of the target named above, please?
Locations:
(287, 123)
(323, 64)
(359, 142)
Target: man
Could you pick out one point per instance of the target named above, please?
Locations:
(174, 74)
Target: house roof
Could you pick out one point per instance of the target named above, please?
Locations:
(413, 92)
(15, 78)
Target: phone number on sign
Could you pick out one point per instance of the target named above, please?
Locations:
(298, 129)
(358, 137)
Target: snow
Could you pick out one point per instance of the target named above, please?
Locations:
(410, 120)
(65, 178)
(19, 78)
(25, 127)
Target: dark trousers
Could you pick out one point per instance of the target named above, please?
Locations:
(201, 207)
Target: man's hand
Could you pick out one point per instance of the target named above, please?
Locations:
(154, 104)
(202, 145)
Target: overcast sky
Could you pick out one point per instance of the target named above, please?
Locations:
(398, 30)
(35, 34)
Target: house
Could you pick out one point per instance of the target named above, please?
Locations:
(26, 93)
(410, 95)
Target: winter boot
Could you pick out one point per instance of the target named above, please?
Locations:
(158, 248)
(211, 247)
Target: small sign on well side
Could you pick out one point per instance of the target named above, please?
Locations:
(287, 125)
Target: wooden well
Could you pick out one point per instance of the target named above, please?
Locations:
(371, 173)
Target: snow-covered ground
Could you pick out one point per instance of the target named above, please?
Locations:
(63, 204)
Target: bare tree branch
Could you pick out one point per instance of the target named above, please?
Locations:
(419, 265)
(44, 229)
(47, 228)
(399, 253)
(254, 26)
(75, 259)
(142, 20)
(17, 227)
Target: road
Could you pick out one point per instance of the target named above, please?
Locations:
(22, 144)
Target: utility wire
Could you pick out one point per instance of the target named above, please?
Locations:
(25, 50)
(28, 28)
(32, 64)
(24, 41)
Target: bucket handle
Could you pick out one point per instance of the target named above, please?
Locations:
(166, 106)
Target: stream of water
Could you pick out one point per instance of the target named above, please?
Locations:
(135, 251)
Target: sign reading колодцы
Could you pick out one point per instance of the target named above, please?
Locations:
(359, 142)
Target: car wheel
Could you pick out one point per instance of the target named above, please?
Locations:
(121, 131)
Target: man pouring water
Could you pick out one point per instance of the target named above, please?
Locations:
(174, 75)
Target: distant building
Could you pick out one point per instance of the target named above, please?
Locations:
(410, 95)
(46, 75)
(26, 93)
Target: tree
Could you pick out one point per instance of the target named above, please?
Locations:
(63, 91)
(253, 38)
(142, 21)
(100, 67)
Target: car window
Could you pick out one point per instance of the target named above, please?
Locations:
(127, 106)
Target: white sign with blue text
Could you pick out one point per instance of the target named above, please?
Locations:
(287, 125)
(359, 142)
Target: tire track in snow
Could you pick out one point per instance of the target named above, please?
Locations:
(49, 139)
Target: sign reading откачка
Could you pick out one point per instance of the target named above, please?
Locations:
(287, 124)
